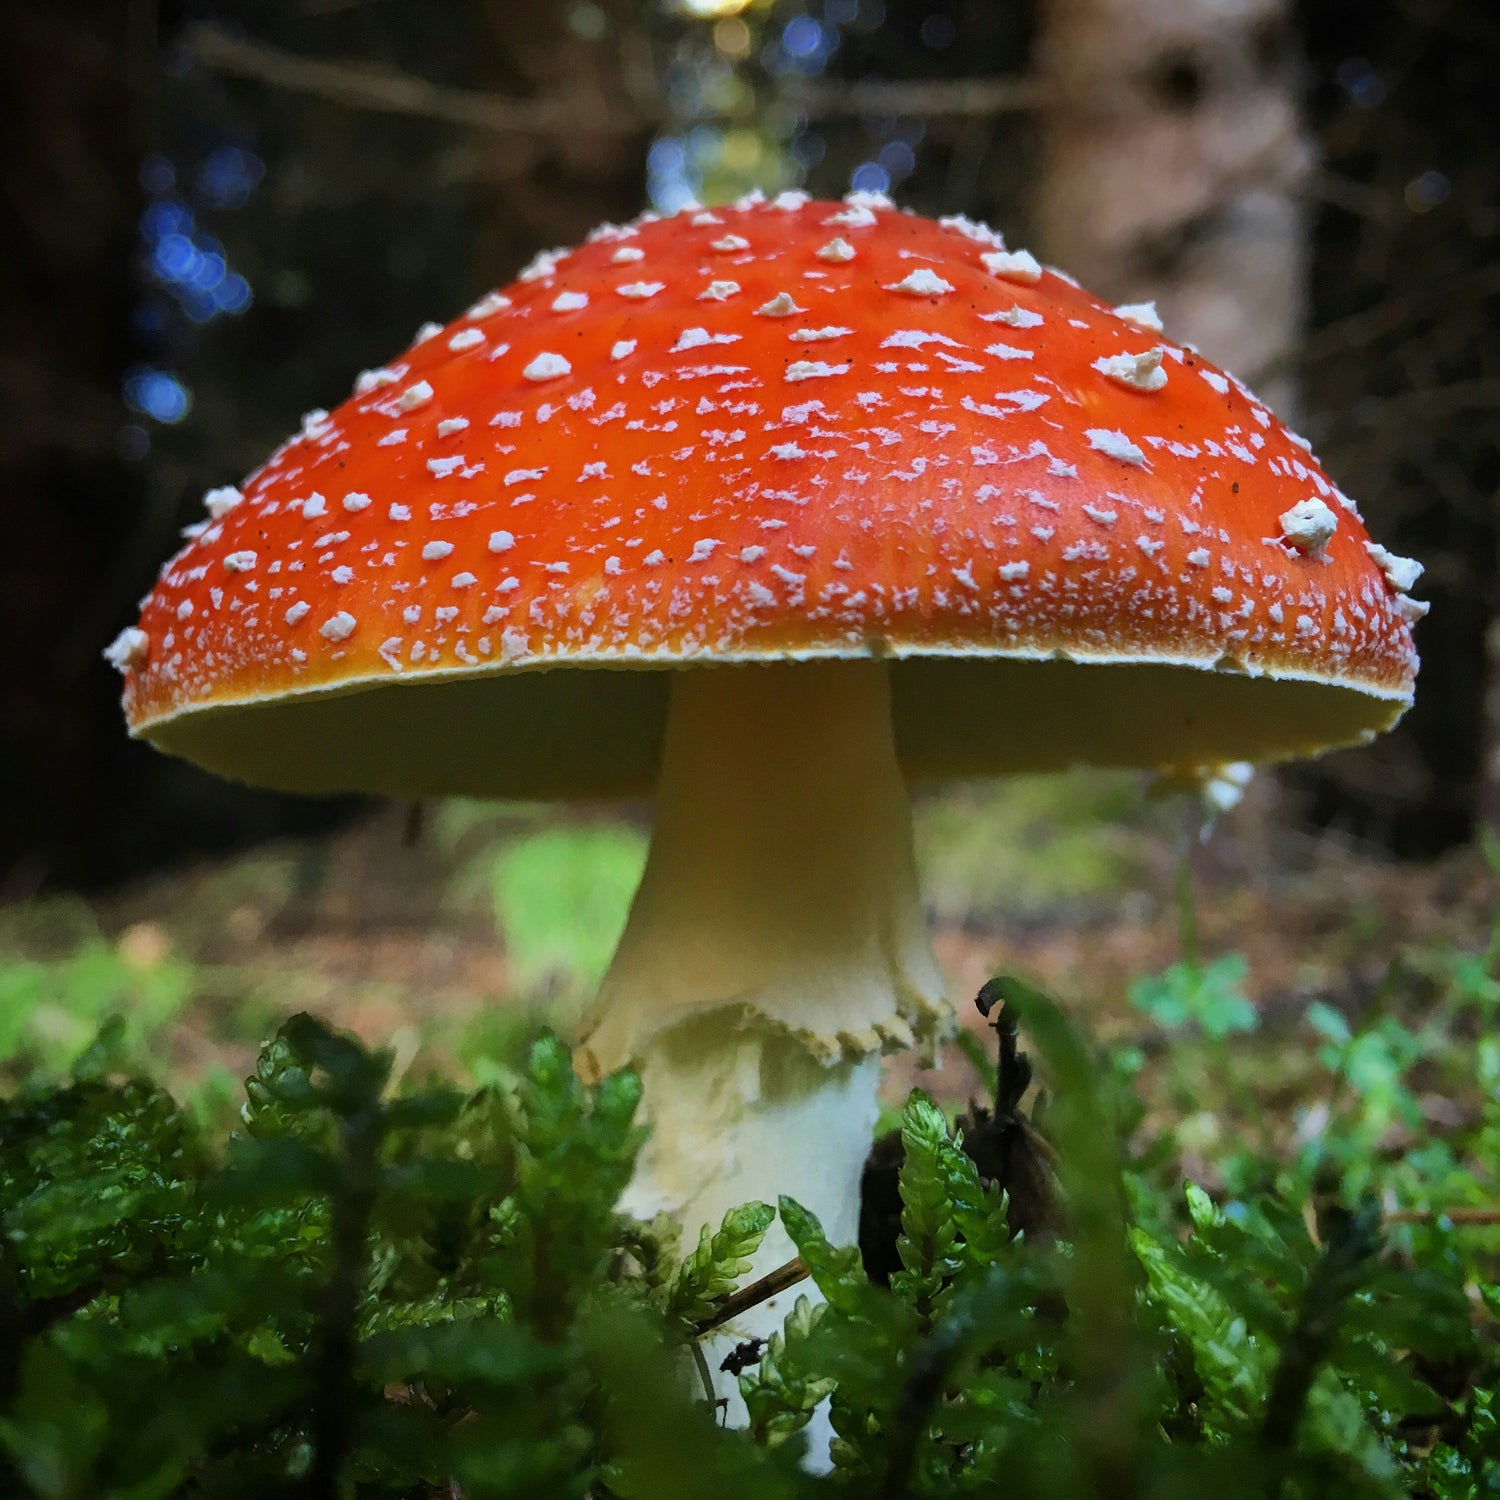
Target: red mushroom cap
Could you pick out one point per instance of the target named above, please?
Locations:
(779, 430)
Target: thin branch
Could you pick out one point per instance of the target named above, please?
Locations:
(369, 86)
(768, 1286)
(971, 98)
(363, 85)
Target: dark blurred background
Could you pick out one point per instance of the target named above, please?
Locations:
(212, 215)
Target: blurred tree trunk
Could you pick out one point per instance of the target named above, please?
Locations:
(1172, 150)
(72, 76)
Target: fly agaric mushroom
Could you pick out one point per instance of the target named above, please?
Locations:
(772, 509)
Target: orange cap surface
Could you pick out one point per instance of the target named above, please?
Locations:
(776, 430)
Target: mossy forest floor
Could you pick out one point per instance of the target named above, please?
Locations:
(430, 935)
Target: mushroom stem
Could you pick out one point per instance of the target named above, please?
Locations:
(775, 947)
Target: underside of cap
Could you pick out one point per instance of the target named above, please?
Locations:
(581, 732)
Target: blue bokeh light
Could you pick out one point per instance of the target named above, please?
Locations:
(233, 293)
(209, 271)
(801, 37)
(228, 176)
(157, 394)
(1428, 189)
(175, 257)
(667, 157)
(938, 32)
(841, 12)
(808, 149)
(1364, 86)
(870, 177)
(897, 158)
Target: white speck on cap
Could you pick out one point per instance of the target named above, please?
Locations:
(1142, 314)
(354, 500)
(1216, 380)
(622, 349)
(752, 554)
(972, 229)
(547, 367)
(1012, 265)
(627, 255)
(1309, 526)
(1141, 372)
(417, 394)
(522, 476)
(239, 562)
(813, 335)
(128, 649)
(1198, 557)
(570, 301)
(465, 338)
(813, 369)
(1014, 317)
(219, 502)
(1011, 572)
(436, 551)
(703, 549)
(314, 506)
(394, 436)
(464, 580)
(922, 282)
(696, 338)
(399, 512)
(1009, 351)
(1401, 573)
(343, 575)
(487, 305)
(299, 611)
(501, 541)
(1115, 445)
(441, 468)
(338, 627)
(654, 559)
(718, 291)
(916, 338)
(640, 289)
(791, 200)
(730, 243)
(543, 263)
(857, 216)
(449, 425)
(611, 565)
(780, 306)
(426, 331)
(788, 451)
(372, 380)
(837, 250)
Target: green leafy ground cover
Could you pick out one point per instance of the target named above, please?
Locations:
(426, 1291)
(399, 1272)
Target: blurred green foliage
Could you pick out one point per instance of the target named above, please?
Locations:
(54, 998)
(1030, 842)
(370, 1291)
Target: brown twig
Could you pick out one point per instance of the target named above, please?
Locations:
(768, 1286)
(1456, 1216)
